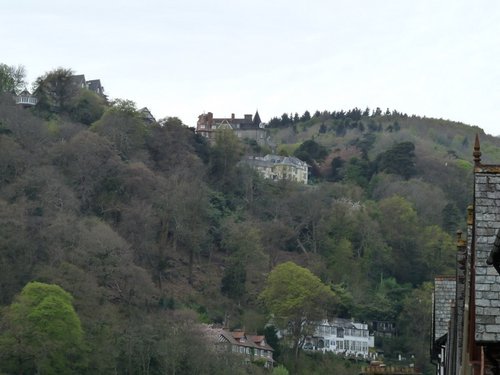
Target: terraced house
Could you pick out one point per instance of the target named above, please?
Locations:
(251, 347)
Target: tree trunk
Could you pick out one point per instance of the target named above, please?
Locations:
(191, 256)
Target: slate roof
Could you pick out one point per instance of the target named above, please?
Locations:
(271, 159)
(95, 85)
(79, 80)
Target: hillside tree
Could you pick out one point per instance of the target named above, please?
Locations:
(42, 333)
(399, 159)
(56, 90)
(12, 78)
(297, 299)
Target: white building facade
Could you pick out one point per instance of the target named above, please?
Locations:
(276, 167)
(341, 336)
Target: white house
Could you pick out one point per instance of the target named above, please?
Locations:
(26, 99)
(277, 167)
(341, 336)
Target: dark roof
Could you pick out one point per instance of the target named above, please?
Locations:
(24, 93)
(95, 85)
(232, 120)
(256, 119)
(79, 80)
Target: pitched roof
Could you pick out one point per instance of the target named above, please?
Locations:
(79, 80)
(239, 338)
(95, 85)
(256, 118)
(238, 334)
(270, 159)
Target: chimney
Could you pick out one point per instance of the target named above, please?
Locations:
(232, 116)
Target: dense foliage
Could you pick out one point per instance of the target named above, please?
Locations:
(42, 333)
(296, 298)
(151, 230)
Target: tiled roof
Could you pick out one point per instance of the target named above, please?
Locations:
(238, 334)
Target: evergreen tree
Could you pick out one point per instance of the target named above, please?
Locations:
(399, 159)
(306, 116)
(233, 281)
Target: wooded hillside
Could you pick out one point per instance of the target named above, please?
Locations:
(151, 230)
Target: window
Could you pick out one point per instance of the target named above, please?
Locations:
(340, 332)
(357, 346)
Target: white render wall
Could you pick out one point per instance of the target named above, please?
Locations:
(343, 337)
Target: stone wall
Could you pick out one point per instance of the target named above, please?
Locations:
(487, 280)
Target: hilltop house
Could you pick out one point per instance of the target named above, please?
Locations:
(276, 167)
(247, 127)
(341, 336)
(146, 115)
(25, 99)
(93, 85)
(466, 306)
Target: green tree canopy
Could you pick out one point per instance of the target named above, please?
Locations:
(224, 157)
(399, 159)
(12, 78)
(87, 107)
(56, 90)
(311, 151)
(296, 298)
(122, 125)
(43, 333)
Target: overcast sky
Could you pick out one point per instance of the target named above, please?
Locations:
(434, 58)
